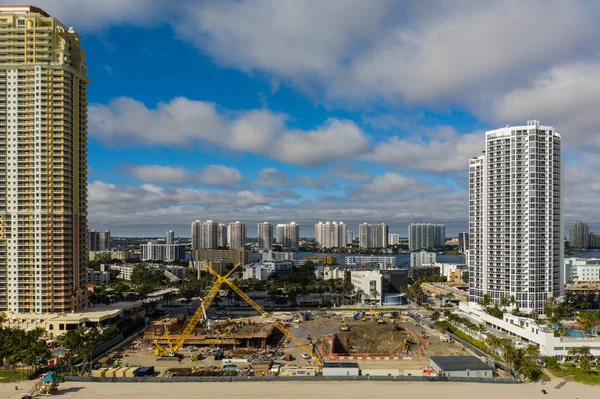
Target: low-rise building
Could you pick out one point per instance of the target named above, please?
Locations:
(417, 273)
(378, 284)
(120, 255)
(382, 262)
(334, 273)
(162, 252)
(270, 255)
(461, 366)
(322, 259)
(98, 277)
(125, 271)
(582, 269)
(452, 271)
(530, 331)
(233, 256)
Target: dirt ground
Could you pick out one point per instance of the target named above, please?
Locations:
(363, 337)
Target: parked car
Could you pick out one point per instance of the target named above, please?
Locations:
(305, 355)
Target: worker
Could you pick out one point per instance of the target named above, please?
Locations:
(17, 388)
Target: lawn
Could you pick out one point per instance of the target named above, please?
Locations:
(570, 372)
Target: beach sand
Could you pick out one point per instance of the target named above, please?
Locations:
(325, 389)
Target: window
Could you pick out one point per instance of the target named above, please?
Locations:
(21, 23)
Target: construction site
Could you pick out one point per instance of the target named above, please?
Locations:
(280, 343)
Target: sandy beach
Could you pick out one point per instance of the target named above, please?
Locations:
(329, 390)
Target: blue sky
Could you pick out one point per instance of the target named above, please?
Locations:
(309, 110)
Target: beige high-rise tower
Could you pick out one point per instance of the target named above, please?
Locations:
(43, 163)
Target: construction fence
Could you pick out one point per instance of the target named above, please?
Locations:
(295, 378)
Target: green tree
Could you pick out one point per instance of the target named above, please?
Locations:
(486, 300)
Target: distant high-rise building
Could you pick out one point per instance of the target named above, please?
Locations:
(373, 235)
(98, 240)
(516, 217)
(204, 235)
(265, 235)
(394, 239)
(170, 237)
(237, 235)
(43, 138)
(162, 252)
(349, 237)
(463, 242)
(222, 235)
(288, 235)
(426, 236)
(331, 235)
(579, 236)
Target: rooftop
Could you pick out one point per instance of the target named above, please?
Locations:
(341, 365)
(459, 363)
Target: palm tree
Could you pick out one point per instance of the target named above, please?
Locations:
(504, 302)
(513, 300)
(3, 318)
(509, 352)
(583, 356)
(486, 300)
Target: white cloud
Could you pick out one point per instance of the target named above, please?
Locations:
(423, 52)
(320, 182)
(125, 121)
(93, 15)
(271, 177)
(566, 97)
(159, 174)
(221, 175)
(444, 151)
(390, 183)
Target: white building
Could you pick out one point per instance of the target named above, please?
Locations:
(382, 262)
(261, 271)
(394, 239)
(371, 284)
(170, 237)
(515, 217)
(529, 331)
(237, 235)
(125, 271)
(204, 235)
(331, 235)
(422, 258)
(448, 269)
(98, 277)
(582, 269)
(269, 255)
(162, 252)
(373, 235)
(426, 236)
(334, 273)
(288, 235)
(265, 235)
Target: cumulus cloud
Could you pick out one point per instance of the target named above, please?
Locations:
(271, 177)
(216, 175)
(93, 15)
(444, 150)
(125, 120)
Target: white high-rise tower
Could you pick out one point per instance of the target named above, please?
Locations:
(265, 235)
(516, 217)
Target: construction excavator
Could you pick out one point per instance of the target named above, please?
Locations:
(344, 326)
(376, 317)
(208, 299)
(408, 344)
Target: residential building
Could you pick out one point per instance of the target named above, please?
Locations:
(231, 256)
(121, 255)
(43, 193)
(219, 266)
(452, 271)
(331, 235)
(451, 242)
(162, 252)
(222, 236)
(237, 235)
(349, 238)
(125, 271)
(270, 255)
(376, 285)
(170, 238)
(528, 330)
(594, 241)
(204, 235)
(334, 273)
(381, 262)
(322, 259)
(98, 240)
(262, 271)
(463, 242)
(98, 277)
(581, 269)
(426, 236)
(516, 217)
(422, 258)
(394, 239)
(265, 235)
(373, 235)
(579, 235)
(288, 235)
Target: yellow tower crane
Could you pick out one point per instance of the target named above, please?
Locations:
(212, 293)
